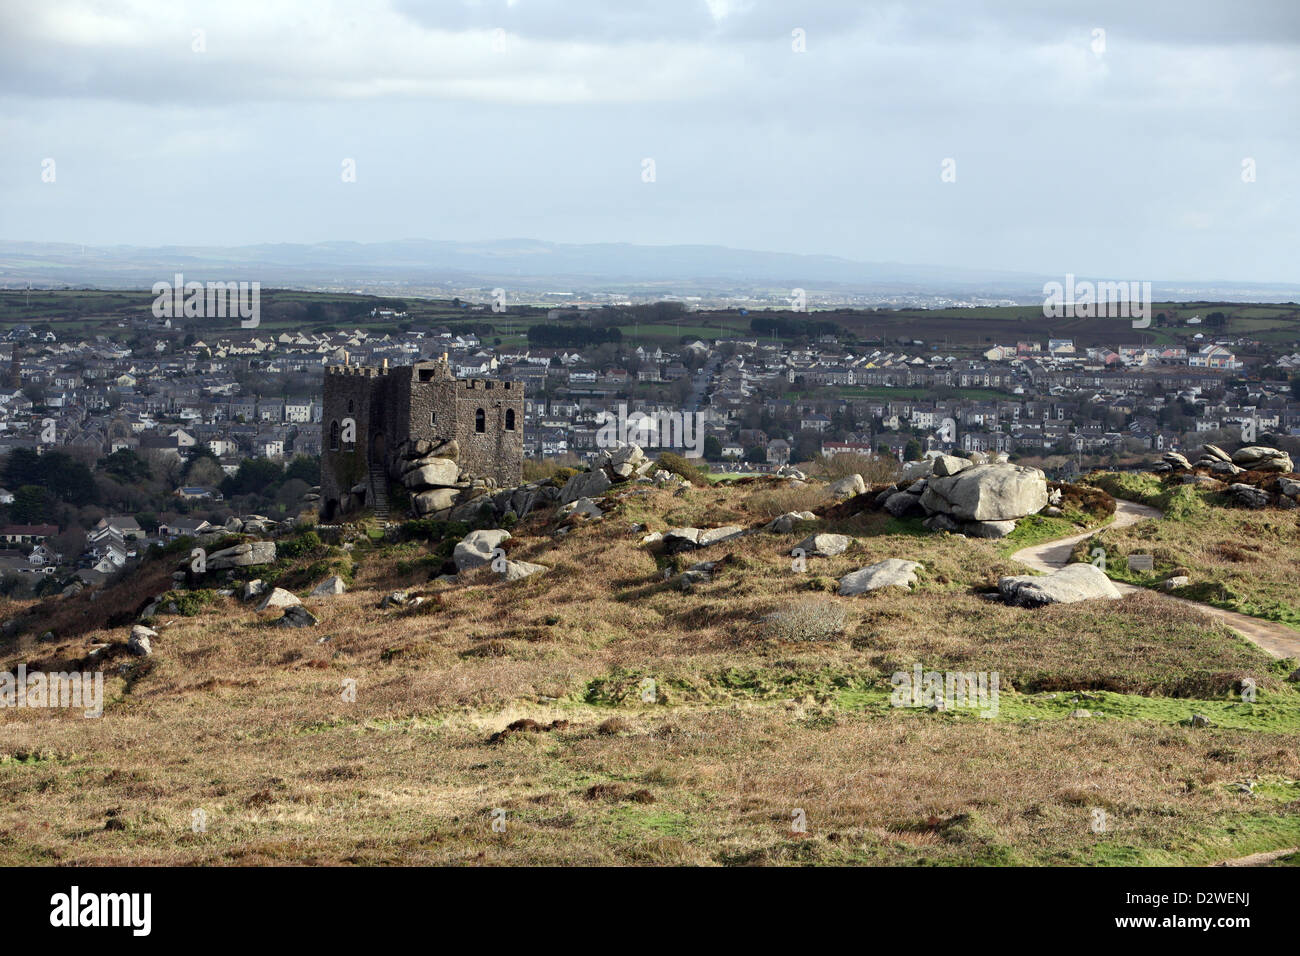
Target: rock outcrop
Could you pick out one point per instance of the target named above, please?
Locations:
(891, 572)
(583, 506)
(475, 549)
(1262, 458)
(848, 486)
(244, 555)
(945, 466)
(297, 616)
(330, 586)
(431, 473)
(988, 529)
(784, 524)
(622, 462)
(278, 598)
(434, 500)
(678, 540)
(1074, 582)
(993, 492)
(439, 487)
(824, 545)
(1259, 458)
(1249, 496)
(140, 642)
(516, 570)
(904, 504)
(587, 484)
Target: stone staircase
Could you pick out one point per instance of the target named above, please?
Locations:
(378, 479)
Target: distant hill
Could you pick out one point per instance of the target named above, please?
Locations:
(529, 264)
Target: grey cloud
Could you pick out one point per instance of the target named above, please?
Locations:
(1126, 163)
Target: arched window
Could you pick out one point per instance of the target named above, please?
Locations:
(510, 419)
(334, 436)
(480, 421)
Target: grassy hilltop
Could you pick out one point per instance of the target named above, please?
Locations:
(769, 705)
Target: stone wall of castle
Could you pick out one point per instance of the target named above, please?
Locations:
(350, 393)
(497, 450)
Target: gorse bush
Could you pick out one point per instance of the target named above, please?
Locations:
(560, 469)
(188, 603)
(428, 562)
(681, 467)
(300, 545)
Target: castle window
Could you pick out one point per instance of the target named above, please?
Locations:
(510, 419)
(334, 436)
(487, 384)
(433, 418)
(480, 421)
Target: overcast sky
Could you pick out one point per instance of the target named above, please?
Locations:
(1118, 155)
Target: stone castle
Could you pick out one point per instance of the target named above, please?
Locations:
(389, 424)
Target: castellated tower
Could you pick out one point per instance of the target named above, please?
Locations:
(377, 420)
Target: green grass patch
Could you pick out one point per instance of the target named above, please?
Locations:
(188, 603)
(1277, 712)
(1178, 502)
(1234, 835)
(1036, 529)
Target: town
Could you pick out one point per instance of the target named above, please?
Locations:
(144, 429)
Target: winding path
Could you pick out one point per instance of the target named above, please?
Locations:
(1276, 639)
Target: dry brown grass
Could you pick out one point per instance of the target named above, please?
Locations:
(874, 469)
(771, 503)
(693, 787)
(247, 721)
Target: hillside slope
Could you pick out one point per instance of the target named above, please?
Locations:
(737, 714)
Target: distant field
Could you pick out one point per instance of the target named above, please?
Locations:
(948, 330)
(672, 333)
